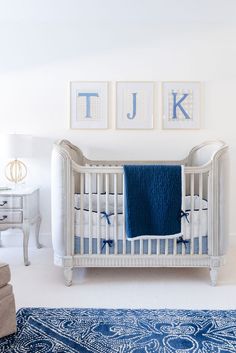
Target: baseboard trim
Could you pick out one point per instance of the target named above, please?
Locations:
(14, 238)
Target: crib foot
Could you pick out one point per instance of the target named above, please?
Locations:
(68, 273)
(214, 275)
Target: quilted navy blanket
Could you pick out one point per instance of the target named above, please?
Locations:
(153, 198)
(42, 330)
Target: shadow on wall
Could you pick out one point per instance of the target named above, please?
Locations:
(39, 174)
(39, 164)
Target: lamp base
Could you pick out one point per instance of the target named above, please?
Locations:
(15, 171)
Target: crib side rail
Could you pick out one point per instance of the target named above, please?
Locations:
(110, 169)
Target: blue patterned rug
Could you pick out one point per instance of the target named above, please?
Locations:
(44, 330)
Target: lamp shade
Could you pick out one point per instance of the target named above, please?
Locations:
(18, 146)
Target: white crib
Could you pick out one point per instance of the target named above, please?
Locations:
(85, 192)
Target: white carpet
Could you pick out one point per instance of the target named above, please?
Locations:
(42, 284)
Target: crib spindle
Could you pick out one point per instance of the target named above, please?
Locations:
(182, 252)
(107, 209)
(98, 214)
(192, 215)
(149, 247)
(115, 215)
(73, 223)
(141, 247)
(166, 246)
(158, 246)
(124, 233)
(200, 214)
(90, 214)
(210, 212)
(81, 225)
(132, 247)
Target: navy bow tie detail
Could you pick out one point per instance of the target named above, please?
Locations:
(106, 216)
(109, 242)
(185, 214)
(183, 241)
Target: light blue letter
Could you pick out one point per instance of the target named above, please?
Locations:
(88, 96)
(178, 104)
(129, 116)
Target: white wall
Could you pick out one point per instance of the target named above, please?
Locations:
(45, 44)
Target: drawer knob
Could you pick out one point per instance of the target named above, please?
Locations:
(3, 203)
(3, 218)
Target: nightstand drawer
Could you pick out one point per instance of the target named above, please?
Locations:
(10, 217)
(10, 202)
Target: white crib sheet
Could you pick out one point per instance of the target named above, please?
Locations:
(199, 226)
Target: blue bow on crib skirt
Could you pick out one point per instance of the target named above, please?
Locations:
(109, 242)
(183, 241)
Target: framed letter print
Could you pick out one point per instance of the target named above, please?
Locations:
(181, 105)
(88, 105)
(134, 105)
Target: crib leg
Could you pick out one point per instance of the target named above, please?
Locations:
(68, 273)
(214, 275)
(215, 264)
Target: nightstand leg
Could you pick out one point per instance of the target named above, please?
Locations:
(37, 227)
(26, 232)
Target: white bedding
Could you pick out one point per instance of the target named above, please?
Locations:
(199, 226)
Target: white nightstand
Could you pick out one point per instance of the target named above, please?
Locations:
(19, 208)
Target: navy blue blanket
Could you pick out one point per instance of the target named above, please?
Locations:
(153, 197)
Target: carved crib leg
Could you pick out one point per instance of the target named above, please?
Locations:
(68, 273)
(214, 275)
(214, 270)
